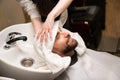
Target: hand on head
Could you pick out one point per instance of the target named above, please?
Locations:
(45, 31)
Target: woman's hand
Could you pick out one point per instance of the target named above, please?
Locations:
(45, 31)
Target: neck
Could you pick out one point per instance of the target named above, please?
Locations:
(70, 53)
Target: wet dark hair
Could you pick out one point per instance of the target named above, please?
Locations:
(45, 6)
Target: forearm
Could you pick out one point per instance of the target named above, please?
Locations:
(36, 23)
(59, 8)
(29, 7)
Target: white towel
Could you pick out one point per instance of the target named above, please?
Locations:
(54, 62)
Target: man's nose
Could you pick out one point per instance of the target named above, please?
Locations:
(66, 34)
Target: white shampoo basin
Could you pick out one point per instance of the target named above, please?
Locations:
(21, 61)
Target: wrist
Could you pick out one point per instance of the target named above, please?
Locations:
(36, 22)
(51, 16)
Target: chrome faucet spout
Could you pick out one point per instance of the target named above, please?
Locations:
(12, 38)
(24, 38)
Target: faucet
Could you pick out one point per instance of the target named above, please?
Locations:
(12, 38)
(24, 38)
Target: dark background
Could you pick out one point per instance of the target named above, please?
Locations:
(90, 31)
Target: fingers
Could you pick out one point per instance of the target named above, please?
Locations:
(44, 35)
(50, 34)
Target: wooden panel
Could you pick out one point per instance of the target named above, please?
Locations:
(112, 18)
(10, 13)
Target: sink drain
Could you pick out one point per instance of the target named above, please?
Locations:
(27, 62)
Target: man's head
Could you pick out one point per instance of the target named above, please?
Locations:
(64, 45)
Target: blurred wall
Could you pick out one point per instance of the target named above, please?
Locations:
(10, 13)
(112, 18)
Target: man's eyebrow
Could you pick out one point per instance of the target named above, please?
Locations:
(57, 36)
(58, 33)
(59, 29)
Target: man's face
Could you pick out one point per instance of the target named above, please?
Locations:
(64, 43)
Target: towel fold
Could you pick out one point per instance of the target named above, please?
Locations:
(54, 62)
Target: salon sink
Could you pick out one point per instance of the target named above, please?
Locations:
(21, 61)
